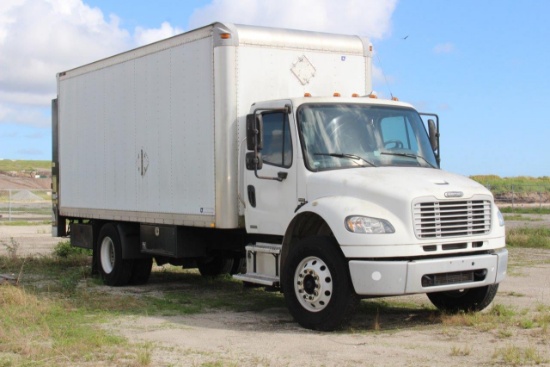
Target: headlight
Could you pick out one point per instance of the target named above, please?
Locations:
(500, 218)
(360, 224)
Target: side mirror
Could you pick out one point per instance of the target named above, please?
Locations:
(254, 161)
(254, 132)
(434, 135)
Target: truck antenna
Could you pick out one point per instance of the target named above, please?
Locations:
(384, 74)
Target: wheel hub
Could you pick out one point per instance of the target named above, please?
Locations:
(313, 284)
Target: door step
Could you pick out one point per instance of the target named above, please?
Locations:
(266, 280)
(262, 264)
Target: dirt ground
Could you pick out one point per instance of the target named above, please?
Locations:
(399, 336)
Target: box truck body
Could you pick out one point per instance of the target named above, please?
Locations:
(232, 146)
(152, 135)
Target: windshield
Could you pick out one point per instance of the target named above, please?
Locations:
(338, 136)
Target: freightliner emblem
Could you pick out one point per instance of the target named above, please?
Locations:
(454, 194)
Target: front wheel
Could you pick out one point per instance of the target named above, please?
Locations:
(465, 300)
(317, 285)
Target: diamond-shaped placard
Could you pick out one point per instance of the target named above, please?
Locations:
(303, 69)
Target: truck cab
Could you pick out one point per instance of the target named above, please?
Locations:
(353, 188)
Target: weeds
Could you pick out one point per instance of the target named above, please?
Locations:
(64, 249)
(45, 332)
(528, 237)
(11, 248)
(516, 356)
(460, 352)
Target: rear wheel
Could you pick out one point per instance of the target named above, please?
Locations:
(141, 270)
(466, 300)
(214, 266)
(114, 270)
(318, 290)
(239, 265)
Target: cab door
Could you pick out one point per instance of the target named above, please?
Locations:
(270, 191)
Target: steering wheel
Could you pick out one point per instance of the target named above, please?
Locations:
(393, 144)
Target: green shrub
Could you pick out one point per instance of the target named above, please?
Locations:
(64, 249)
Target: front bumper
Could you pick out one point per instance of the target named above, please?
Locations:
(386, 278)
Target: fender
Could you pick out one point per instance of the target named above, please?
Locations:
(334, 209)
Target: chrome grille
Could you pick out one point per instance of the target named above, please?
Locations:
(452, 218)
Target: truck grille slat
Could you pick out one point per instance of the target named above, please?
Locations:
(452, 218)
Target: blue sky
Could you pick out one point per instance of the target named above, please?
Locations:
(483, 66)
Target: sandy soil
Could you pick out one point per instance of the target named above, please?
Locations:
(400, 336)
(24, 182)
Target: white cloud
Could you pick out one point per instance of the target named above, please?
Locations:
(145, 36)
(370, 18)
(42, 37)
(444, 48)
(39, 38)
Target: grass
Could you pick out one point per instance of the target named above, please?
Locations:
(522, 218)
(41, 331)
(7, 165)
(528, 237)
(516, 210)
(521, 184)
(55, 316)
(518, 356)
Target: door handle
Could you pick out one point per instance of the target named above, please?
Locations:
(251, 195)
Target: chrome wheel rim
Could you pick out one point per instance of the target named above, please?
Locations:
(107, 255)
(313, 284)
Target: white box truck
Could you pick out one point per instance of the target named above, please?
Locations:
(234, 144)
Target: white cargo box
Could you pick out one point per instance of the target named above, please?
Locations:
(152, 135)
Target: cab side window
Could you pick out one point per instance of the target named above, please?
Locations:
(277, 149)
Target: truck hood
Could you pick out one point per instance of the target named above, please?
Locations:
(392, 184)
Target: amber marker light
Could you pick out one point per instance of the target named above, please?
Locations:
(355, 95)
(336, 94)
(225, 36)
(307, 94)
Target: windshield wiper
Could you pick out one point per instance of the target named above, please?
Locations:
(409, 155)
(347, 155)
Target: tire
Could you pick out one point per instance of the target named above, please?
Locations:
(141, 270)
(239, 265)
(114, 270)
(317, 285)
(465, 300)
(214, 266)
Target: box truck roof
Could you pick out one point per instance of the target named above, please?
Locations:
(227, 34)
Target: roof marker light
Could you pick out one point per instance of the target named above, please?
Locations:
(355, 95)
(225, 36)
(307, 94)
(336, 94)
(394, 99)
